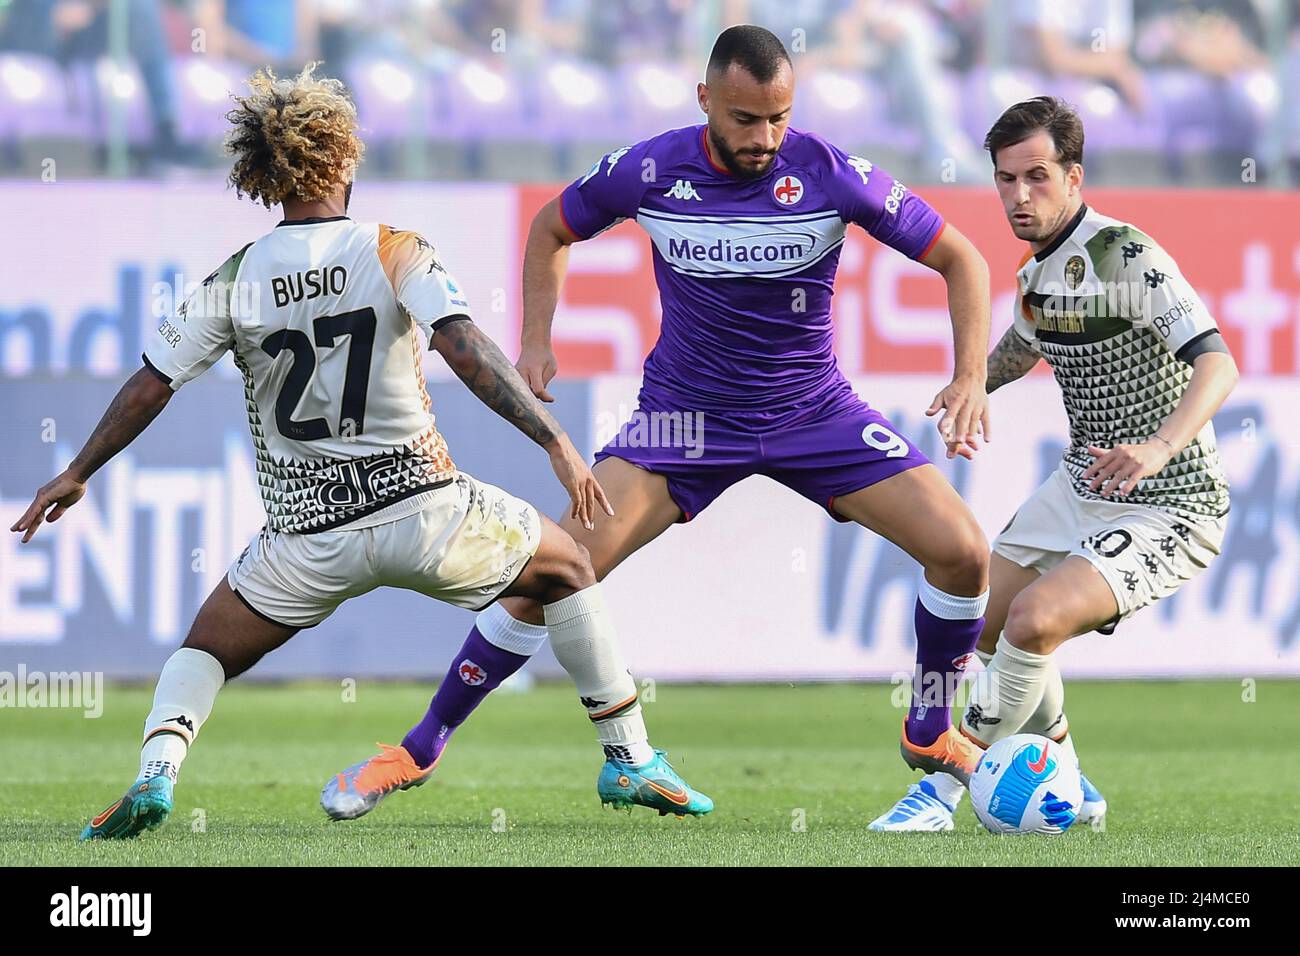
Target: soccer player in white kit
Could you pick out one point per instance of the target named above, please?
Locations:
(1139, 503)
(328, 320)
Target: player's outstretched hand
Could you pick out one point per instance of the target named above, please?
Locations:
(967, 406)
(63, 492)
(1118, 470)
(585, 493)
(537, 366)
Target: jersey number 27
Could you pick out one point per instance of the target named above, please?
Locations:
(359, 325)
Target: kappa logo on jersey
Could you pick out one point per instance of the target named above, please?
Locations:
(611, 158)
(471, 673)
(614, 157)
(787, 190)
(683, 189)
(861, 166)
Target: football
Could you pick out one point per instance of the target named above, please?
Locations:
(1026, 784)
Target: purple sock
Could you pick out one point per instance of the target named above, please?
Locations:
(944, 647)
(478, 668)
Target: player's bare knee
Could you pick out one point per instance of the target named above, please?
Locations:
(584, 575)
(1032, 626)
(963, 566)
(570, 571)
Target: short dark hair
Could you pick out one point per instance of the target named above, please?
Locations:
(1052, 114)
(759, 52)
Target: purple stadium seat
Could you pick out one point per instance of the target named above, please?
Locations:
(656, 96)
(1202, 113)
(1110, 124)
(395, 100)
(34, 99)
(577, 99)
(97, 84)
(843, 106)
(203, 87)
(483, 101)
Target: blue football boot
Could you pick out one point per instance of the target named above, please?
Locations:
(145, 806)
(655, 785)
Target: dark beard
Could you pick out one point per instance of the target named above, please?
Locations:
(729, 160)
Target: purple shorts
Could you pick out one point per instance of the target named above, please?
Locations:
(849, 448)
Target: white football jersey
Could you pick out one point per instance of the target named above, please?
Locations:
(1120, 326)
(328, 320)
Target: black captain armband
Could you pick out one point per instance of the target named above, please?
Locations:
(443, 322)
(1210, 341)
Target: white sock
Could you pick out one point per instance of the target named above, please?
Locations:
(182, 701)
(583, 638)
(1006, 694)
(948, 787)
(1048, 718)
(508, 633)
(1066, 743)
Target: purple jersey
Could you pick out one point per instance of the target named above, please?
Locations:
(745, 268)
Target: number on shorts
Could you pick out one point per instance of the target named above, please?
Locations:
(882, 439)
(1111, 543)
(359, 326)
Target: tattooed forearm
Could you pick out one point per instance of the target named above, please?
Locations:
(482, 366)
(1011, 359)
(136, 404)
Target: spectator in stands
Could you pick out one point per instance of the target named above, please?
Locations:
(899, 41)
(1081, 39)
(1211, 74)
(276, 33)
(73, 31)
(810, 21)
(1219, 38)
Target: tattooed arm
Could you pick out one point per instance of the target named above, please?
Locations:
(136, 404)
(480, 364)
(1011, 359)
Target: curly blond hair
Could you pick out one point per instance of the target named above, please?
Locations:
(293, 138)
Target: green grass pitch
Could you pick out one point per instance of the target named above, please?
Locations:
(1194, 774)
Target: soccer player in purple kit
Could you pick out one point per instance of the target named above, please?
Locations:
(746, 217)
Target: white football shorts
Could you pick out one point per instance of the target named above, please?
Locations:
(466, 545)
(1144, 553)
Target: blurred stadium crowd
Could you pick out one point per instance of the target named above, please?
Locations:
(1197, 92)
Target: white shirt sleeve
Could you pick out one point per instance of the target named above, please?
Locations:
(185, 346)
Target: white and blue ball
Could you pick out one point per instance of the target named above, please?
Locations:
(1026, 784)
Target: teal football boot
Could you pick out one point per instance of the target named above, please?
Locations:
(145, 806)
(655, 785)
